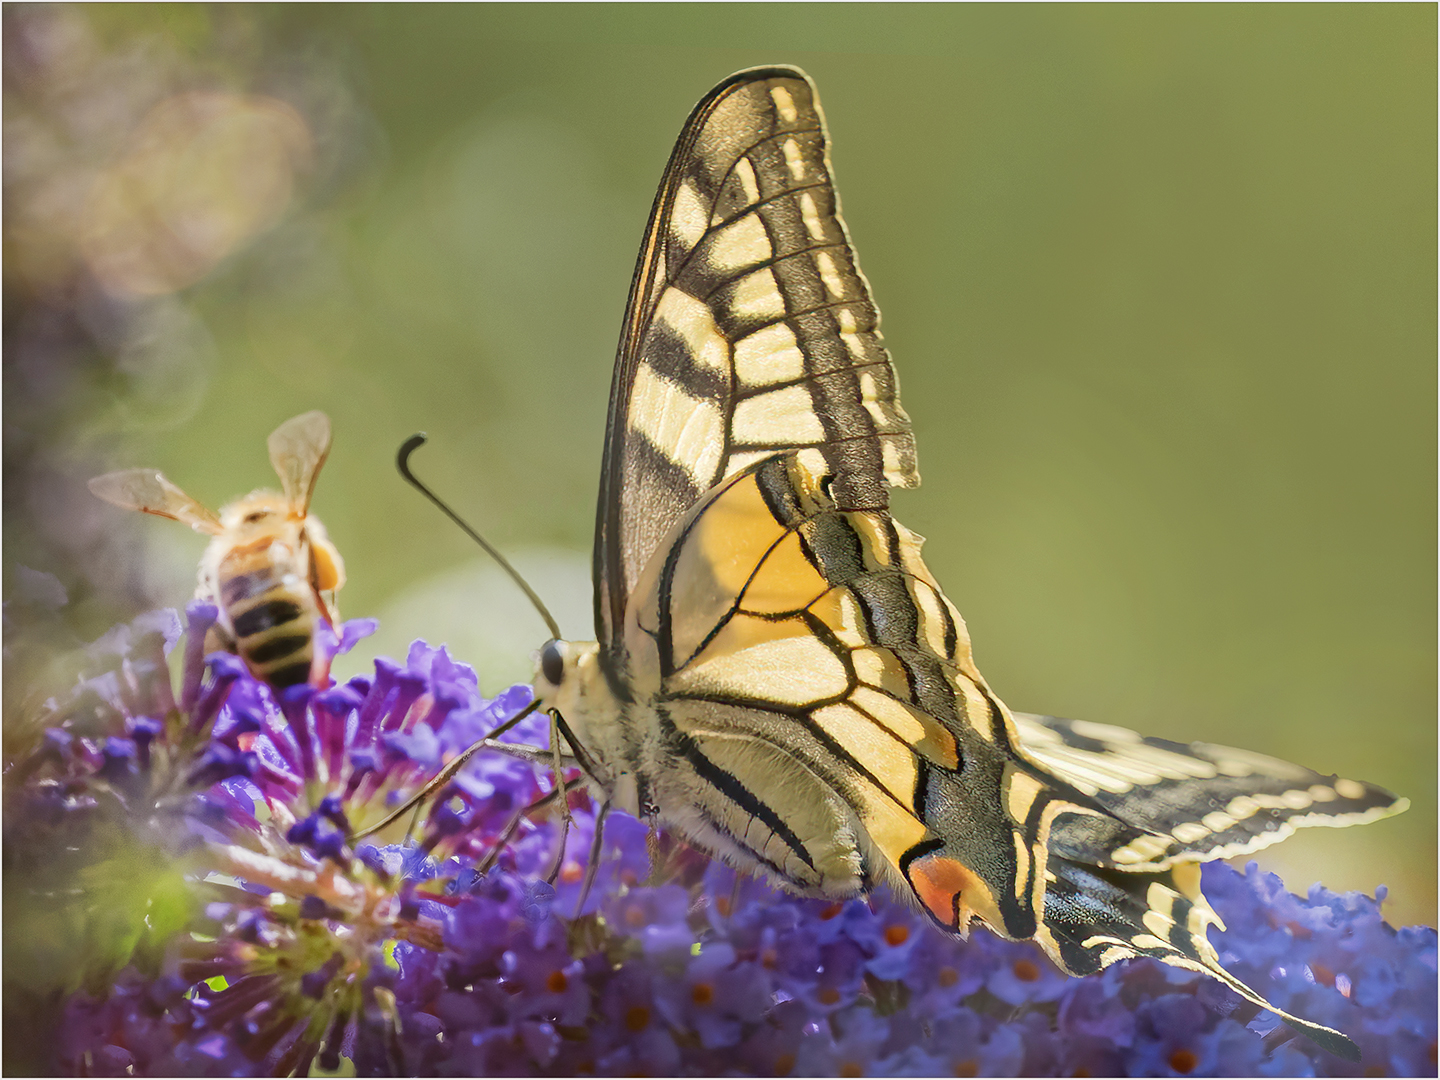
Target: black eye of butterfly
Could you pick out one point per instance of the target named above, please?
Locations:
(552, 662)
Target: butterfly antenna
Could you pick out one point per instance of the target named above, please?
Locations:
(402, 462)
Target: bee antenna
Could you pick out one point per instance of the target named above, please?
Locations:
(402, 462)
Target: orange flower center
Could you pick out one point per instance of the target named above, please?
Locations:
(1183, 1061)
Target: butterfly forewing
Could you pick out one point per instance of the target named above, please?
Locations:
(749, 330)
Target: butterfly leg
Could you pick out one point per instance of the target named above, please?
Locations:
(559, 858)
(444, 776)
(414, 823)
(597, 846)
(652, 850)
(734, 900)
(558, 727)
(484, 865)
(565, 819)
(513, 825)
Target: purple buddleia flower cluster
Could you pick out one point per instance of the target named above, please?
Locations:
(454, 942)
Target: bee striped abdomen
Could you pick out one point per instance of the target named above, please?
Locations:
(274, 623)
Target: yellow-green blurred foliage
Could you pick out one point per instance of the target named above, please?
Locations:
(1159, 282)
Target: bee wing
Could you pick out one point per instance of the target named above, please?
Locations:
(148, 491)
(298, 448)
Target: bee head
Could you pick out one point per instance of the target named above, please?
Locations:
(255, 512)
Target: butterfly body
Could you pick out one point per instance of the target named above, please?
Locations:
(777, 676)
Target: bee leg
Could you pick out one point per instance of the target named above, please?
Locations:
(218, 639)
(597, 846)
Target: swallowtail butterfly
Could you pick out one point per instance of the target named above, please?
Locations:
(779, 679)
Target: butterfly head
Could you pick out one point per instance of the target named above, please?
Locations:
(569, 679)
(565, 677)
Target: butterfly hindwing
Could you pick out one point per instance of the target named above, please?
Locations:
(816, 713)
(817, 709)
(749, 330)
(1096, 917)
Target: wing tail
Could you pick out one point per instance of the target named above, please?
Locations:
(1095, 917)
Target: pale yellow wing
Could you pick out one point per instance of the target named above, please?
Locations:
(298, 448)
(148, 491)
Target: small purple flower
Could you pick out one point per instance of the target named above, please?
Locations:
(1025, 975)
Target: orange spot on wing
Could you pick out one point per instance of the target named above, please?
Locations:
(937, 880)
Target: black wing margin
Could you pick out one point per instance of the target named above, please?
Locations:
(749, 331)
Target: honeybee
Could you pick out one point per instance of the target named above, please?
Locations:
(269, 561)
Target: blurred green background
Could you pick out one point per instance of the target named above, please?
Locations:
(1159, 282)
